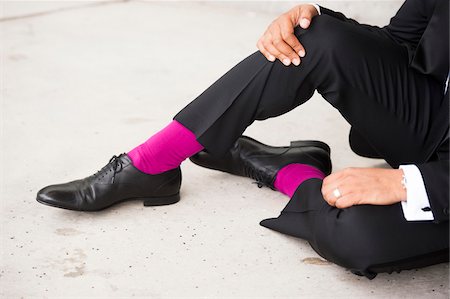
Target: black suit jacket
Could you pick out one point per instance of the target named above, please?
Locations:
(422, 26)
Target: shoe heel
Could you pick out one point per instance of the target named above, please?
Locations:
(315, 143)
(161, 201)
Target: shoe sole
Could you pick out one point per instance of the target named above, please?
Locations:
(148, 202)
(161, 201)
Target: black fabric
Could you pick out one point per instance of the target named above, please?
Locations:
(361, 146)
(365, 239)
(422, 26)
(388, 93)
(435, 176)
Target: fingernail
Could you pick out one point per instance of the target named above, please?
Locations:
(296, 61)
(304, 23)
(286, 62)
(301, 53)
(271, 58)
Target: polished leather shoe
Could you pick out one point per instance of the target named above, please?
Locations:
(253, 159)
(118, 181)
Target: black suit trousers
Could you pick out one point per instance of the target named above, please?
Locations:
(365, 74)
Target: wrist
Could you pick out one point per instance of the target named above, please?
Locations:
(296, 12)
(317, 7)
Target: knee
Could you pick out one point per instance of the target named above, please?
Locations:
(324, 34)
(352, 241)
(360, 146)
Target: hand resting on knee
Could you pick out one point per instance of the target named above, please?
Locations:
(279, 41)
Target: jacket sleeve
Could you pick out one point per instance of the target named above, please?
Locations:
(436, 178)
(337, 15)
(410, 22)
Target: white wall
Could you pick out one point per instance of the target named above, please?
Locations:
(365, 11)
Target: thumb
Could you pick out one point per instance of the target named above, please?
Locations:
(305, 18)
(304, 23)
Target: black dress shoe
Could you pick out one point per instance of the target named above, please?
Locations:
(118, 181)
(261, 162)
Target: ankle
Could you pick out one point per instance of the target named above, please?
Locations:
(165, 150)
(291, 176)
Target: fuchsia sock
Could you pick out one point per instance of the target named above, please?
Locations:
(291, 176)
(165, 150)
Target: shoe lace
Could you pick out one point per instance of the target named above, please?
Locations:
(115, 164)
(258, 175)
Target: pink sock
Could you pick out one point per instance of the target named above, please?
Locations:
(165, 150)
(291, 176)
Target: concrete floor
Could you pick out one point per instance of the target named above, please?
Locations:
(81, 83)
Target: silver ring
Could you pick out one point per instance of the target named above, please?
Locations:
(337, 193)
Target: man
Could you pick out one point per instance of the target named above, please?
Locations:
(388, 83)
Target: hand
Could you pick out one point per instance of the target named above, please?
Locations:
(374, 186)
(279, 41)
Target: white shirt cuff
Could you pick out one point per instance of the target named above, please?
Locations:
(417, 205)
(317, 7)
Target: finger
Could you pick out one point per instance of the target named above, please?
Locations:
(351, 198)
(287, 33)
(304, 22)
(285, 49)
(266, 43)
(293, 42)
(331, 181)
(338, 175)
(327, 190)
(326, 187)
(330, 197)
(275, 52)
(264, 51)
(305, 18)
(336, 188)
(345, 201)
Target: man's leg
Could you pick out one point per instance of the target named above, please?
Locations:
(365, 239)
(361, 146)
(357, 69)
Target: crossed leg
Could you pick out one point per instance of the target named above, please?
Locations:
(365, 75)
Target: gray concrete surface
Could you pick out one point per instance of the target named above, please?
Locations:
(82, 82)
